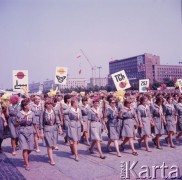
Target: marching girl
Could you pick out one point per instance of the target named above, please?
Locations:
(12, 112)
(158, 119)
(95, 117)
(57, 110)
(37, 108)
(171, 120)
(85, 110)
(129, 119)
(113, 125)
(3, 124)
(66, 107)
(179, 115)
(27, 123)
(48, 127)
(74, 127)
(144, 118)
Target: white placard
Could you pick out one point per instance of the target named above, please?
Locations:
(120, 80)
(20, 80)
(143, 84)
(61, 75)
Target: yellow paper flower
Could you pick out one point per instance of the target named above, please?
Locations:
(52, 92)
(120, 95)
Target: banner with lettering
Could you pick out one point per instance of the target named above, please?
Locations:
(143, 85)
(61, 75)
(20, 80)
(120, 80)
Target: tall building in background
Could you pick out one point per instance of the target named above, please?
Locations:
(145, 66)
(101, 82)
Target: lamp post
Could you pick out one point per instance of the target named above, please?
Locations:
(99, 74)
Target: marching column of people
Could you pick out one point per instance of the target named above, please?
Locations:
(135, 116)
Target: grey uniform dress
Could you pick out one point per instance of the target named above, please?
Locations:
(65, 116)
(48, 124)
(85, 111)
(157, 113)
(74, 124)
(13, 111)
(129, 120)
(26, 130)
(169, 113)
(95, 117)
(1, 126)
(37, 109)
(144, 116)
(179, 114)
(57, 111)
(113, 124)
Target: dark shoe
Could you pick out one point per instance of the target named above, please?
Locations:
(102, 157)
(135, 153)
(91, 151)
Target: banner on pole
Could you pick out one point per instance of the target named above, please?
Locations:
(61, 75)
(143, 85)
(20, 80)
(120, 80)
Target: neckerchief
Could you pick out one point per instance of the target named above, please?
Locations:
(26, 114)
(96, 111)
(76, 111)
(50, 114)
(160, 109)
(170, 105)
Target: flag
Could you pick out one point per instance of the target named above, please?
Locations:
(79, 56)
(80, 71)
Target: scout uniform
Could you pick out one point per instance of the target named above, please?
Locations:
(144, 116)
(26, 130)
(48, 123)
(113, 124)
(13, 111)
(179, 114)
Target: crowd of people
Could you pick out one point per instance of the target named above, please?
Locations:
(82, 118)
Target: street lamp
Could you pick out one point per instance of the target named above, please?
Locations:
(99, 74)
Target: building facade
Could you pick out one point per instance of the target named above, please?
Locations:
(145, 66)
(101, 82)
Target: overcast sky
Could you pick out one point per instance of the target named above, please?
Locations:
(39, 35)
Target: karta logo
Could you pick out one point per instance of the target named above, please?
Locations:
(143, 83)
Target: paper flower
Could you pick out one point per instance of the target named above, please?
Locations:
(120, 95)
(52, 92)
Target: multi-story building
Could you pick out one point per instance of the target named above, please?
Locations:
(145, 66)
(75, 82)
(167, 71)
(101, 82)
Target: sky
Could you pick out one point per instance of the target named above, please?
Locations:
(38, 35)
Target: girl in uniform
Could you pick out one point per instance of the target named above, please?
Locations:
(27, 122)
(95, 117)
(3, 124)
(158, 119)
(37, 109)
(129, 118)
(84, 110)
(66, 107)
(171, 120)
(179, 115)
(48, 127)
(57, 110)
(144, 118)
(113, 125)
(74, 127)
(12, 112)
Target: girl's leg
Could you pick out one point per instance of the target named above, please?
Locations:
(36, 143)
(99, 149)
(75, 150)
(132, 145)
(171, 139)
(25, 157)
(117, 148)
(92, 145)
(108, 144)
(13, 143)
(49, 152)
(146, 143)
(1, 140)
(177, 137)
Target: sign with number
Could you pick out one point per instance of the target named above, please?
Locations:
(143, 85)
(120, 80)
(61, 75)
(20, 80)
